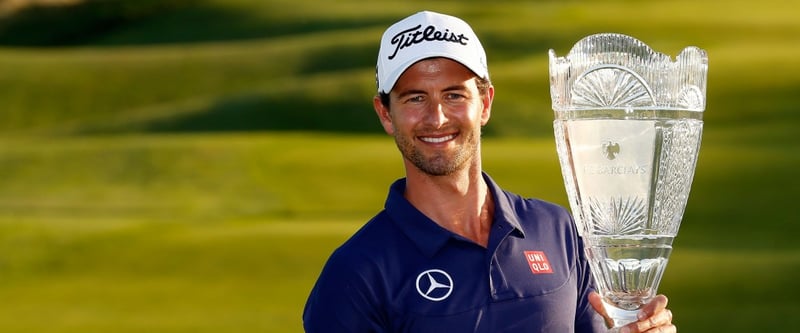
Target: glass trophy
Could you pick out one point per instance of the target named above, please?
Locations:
(628, 124)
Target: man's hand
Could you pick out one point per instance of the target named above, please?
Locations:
(654, 317)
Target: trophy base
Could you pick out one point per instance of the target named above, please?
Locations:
(621, 317)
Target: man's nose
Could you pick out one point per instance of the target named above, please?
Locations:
(435, 115)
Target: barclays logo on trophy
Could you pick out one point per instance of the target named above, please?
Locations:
(628, 125)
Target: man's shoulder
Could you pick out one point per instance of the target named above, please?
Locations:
(539, 206)
(528, 206)
(368, 241)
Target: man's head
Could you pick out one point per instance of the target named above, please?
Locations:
(434, 93)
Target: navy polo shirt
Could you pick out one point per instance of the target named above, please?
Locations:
(402, 272)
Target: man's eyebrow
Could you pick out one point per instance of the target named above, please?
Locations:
(456, 87)
(410, 92)
(422, 92)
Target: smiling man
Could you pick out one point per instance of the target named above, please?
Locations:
(451, 251)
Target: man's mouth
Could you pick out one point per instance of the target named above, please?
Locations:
(437, 139)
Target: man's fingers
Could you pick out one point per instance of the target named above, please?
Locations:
(597, 303)
(659, 320)
(658, 304)
(654, 317)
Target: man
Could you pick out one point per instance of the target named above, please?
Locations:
(452, 251)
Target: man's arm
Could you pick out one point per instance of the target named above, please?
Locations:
(587, 319)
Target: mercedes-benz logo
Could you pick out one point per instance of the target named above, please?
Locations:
(434, 284)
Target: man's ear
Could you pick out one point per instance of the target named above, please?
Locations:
(486, 113)
(383, 115)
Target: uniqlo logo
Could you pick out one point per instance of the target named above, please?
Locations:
(538, 262)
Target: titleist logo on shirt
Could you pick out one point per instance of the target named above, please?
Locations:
(417, 35)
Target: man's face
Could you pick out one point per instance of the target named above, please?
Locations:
(435, 115)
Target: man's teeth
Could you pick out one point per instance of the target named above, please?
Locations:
(438, 140)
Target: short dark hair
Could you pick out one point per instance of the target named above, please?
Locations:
(482, 83)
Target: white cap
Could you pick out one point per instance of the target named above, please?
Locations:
(426, 35)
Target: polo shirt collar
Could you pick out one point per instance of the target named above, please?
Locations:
(430, 237)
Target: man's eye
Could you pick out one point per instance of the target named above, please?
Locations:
(415, 99)
(455, 96)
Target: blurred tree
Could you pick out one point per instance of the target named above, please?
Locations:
(74, 22)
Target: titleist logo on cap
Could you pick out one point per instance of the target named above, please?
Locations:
(417, 35)
(425, 35)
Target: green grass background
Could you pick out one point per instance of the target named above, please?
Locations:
(191, 169)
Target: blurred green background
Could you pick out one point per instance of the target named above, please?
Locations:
(188, 166)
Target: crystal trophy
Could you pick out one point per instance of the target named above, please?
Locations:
(628, 124)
